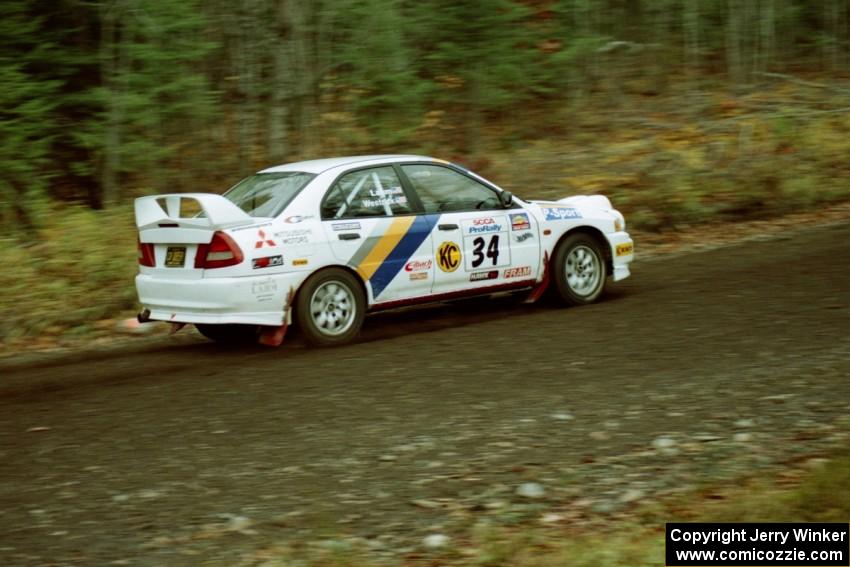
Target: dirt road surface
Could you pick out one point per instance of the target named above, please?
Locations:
(706, 366)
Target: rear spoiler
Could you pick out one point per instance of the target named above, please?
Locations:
(158, 214)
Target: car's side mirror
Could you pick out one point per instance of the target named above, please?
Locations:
(506, 198)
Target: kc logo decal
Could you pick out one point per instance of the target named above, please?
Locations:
(448, 256)
(262, 239)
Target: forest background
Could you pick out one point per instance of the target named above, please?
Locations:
(682, 111)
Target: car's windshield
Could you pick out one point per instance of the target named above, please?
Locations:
(267, 194)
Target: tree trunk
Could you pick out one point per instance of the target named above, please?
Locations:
(110, 67)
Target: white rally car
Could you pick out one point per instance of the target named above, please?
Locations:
(327, 241)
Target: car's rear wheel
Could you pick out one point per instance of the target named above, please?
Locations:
(330, 308)
(229, 333)
(579, 270)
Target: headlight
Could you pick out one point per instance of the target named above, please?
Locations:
(619, 221)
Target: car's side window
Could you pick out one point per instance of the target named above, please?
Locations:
(373, 192)
(442, 189)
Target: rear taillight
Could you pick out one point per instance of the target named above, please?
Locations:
(221, 252)
(146, 255)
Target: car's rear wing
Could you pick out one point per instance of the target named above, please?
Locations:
(159, 217)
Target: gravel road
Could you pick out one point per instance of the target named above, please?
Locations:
(706, 366)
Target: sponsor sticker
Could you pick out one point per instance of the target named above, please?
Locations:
(625, 249)
(523, 237)
(419, 276)
(448, 256)
(560, 213)
(483, 225)
(267, 262)
(297, 236)
(479, 276)
(300, 262)
(418, 265)
(519, 221)
(240, 228)
(263, 240)
(518, 272)
(295, 219)
(264, 290)
(346, 226)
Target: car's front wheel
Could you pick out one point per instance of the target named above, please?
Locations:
(330, 308)
(579, 270)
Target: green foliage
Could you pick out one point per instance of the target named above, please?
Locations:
(77, 268)
(27, 122)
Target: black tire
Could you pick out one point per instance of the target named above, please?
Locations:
(579, 270)
(229, 333)
(330, 308)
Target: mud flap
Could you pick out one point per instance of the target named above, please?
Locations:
(175, 327)
(273, 336)
(538, 290)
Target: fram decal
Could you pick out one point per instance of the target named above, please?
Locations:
(560, 213)
(625, 249)
(346, 226)
(519, 221)
(523, 237)
(419, 276)
(479, 276)
(263, 239)
(300, 262)
(267, 262)
(518, 272)
(418, 265)
(448, 256)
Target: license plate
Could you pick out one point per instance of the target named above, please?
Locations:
(175, 257)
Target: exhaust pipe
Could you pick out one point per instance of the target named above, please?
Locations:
(144, 316)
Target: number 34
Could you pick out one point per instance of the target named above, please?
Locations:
(478, 250)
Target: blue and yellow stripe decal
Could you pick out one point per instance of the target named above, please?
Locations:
(382, 256)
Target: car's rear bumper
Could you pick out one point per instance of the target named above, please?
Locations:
(252, 300)
(622, 253)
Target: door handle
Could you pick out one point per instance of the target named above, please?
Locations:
(349, 236)
(448, 227)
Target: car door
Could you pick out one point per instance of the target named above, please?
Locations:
(477, 243)
(372, 227)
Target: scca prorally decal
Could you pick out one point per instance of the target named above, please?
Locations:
(561, 213)
(483, 225)
(519, 221)
(385, 253)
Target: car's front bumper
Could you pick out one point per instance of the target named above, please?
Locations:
(622, 253)
(252, 300)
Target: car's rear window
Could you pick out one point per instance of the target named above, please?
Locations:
(267, 194)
